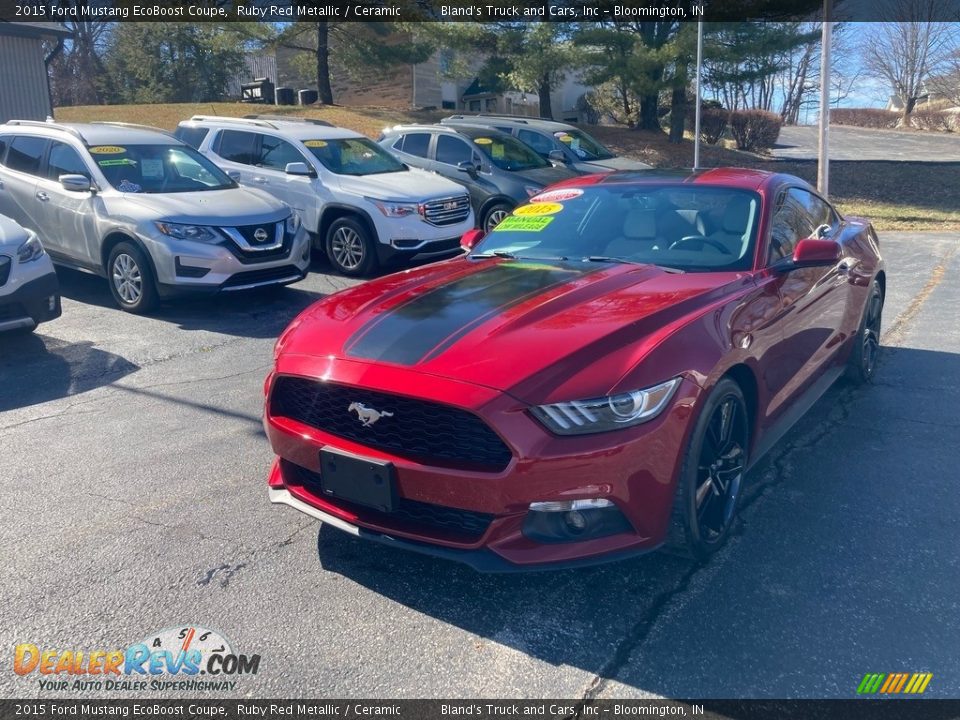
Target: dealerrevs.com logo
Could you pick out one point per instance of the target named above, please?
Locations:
(180, 658)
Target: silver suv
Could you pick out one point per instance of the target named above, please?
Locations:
(139, 207)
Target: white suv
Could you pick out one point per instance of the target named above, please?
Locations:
(29, 293)
(363, 206)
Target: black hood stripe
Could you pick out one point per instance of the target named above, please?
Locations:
(426, 326)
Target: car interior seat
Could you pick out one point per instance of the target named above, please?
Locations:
(638, 234)
(733, 233)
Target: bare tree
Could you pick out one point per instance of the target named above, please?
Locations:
(946, 84)
(906, 52)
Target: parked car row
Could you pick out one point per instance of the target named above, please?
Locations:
(226, 204)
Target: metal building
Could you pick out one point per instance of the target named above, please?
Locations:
(24, 89)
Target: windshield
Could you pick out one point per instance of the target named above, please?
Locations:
(353, 156)
(582, 145)
(158, 169)
(686, 227)
(509, 154)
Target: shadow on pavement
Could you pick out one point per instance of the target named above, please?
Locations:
(35, 369)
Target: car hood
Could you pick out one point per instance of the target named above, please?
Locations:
(11, 233)
(411, 186)
(230, 207)
(614, 163)
(537, 331)
(548, 175)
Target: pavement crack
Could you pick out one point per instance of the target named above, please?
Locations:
(896, 333)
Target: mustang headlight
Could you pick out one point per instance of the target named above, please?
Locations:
(395, 209)
(196, 233)
(581, 417)
(30, 250)
(292, 224)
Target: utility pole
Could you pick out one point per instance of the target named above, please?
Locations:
(823, 153)
(696, 112)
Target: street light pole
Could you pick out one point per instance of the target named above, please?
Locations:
(823, 153)
(696, 112)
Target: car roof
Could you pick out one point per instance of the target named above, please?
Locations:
(518, 121)
(743, 178)
(471, 131)
(302, 129)
(95, 133)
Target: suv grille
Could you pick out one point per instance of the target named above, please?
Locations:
(447, 211)
(411, 513)
(424, 431)
(5, 264)
(249, 235)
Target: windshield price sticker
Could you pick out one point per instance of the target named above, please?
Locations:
(541, 208)
(483, 141)
(555, 196)
(316, 143)
(107, 150)
(523, 224)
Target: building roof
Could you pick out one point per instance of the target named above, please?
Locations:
(34, 29)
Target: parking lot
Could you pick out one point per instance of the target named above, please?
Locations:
(134, 499)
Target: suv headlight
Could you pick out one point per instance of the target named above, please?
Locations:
(395, 209)
(196, 233)
(30, 250)
(581, 417)
(292, 224)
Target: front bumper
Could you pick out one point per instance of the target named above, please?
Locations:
(185, 267)
(30, 303)
(634, 468)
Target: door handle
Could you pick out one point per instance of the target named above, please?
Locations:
(259, 179)
(42, 196)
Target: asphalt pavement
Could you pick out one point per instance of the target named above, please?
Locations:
(799, 142)
(133, 498)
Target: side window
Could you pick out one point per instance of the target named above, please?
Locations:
(3, 149)
(25, 153)
(275, 153)
(416, 144)
(237, 146)
(64, 160)
(192, 136)
(452, 151)
(791, 223)
(818, 209)
(535, 140)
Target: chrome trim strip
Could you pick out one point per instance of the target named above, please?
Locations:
(241, 241)
(283, 497)
(248, 286)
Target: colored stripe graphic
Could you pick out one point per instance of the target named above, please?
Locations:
(894, 683)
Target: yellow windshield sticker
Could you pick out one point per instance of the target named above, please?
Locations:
(538, 209)
(565, 138)
(483, 141)
(315, 143)
(523, 224)
(107, 150)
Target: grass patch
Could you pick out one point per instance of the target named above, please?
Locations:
(893, 195)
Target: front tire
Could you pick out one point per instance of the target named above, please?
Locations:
(131, 279)
(350, 248)
(866, 348)
(495, 215)
(711, 480)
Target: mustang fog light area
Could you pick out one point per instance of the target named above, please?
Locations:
(581, 417)
(573, 520)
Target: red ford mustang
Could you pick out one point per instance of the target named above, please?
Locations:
(592, 380)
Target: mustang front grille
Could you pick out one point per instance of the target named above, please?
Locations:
(423, 431)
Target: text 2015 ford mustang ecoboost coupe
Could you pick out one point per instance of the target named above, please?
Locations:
(592, 380)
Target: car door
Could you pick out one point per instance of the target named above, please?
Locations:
(813, 300)
(413, 148)
(18, 180)
(449, 151)
(273, 156)
(67, 219)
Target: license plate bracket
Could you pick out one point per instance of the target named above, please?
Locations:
(359, 480)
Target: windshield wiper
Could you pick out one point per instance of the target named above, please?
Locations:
(625, 261)
(497, 253)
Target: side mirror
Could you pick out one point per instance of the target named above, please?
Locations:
(470, 239)
(467, 167)
(297, 168)
(557, 156)
(814, 253)
(76, 183)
